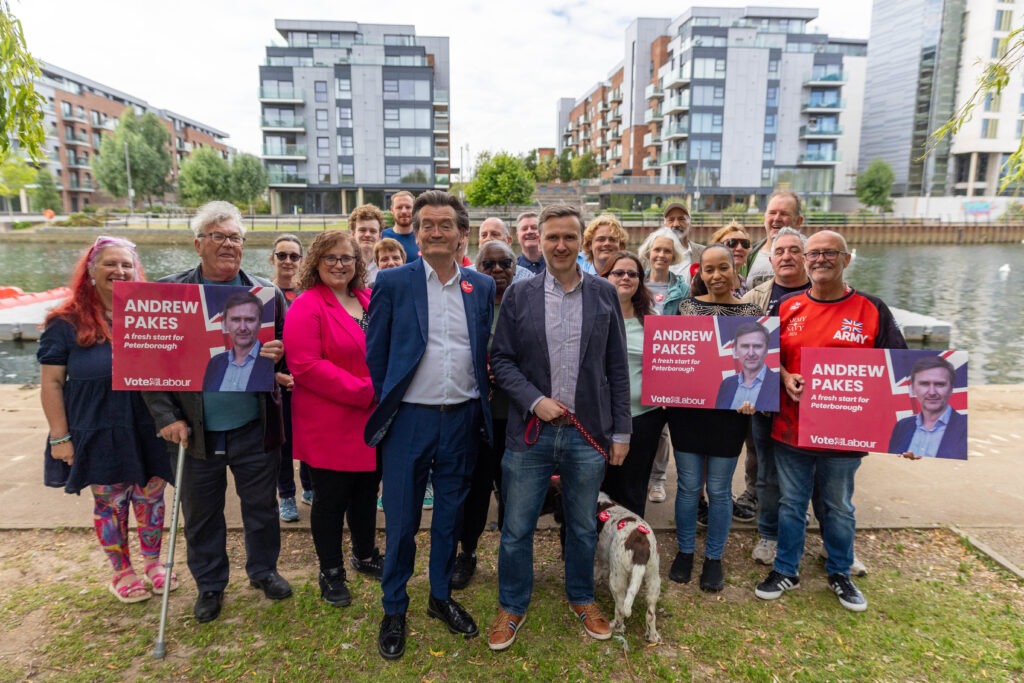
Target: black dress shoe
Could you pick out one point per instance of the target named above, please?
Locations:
(391, 640)
(333, 588)
(273, 586)
(465, 566)
(208, 606)
(455, 618)
(372, 566)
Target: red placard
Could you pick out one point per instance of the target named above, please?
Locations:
(691, 361)
(175, 337)
(871, 400)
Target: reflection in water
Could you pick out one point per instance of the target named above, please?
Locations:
(959, 284)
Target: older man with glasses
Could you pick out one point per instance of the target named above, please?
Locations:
(238, 430)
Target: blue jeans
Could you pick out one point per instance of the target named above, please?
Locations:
(525, 476)
(691, 467)
(798, 469)
(767, 477)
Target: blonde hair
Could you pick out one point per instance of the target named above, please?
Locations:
(605, 219)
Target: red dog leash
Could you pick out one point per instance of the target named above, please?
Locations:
(533, 432)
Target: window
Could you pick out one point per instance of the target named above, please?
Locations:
(705, 150)
(345, 146)
(65, 108)
(709, 68)
(343, 88)
(408, 173)
(998, 47)
(407, 146)
(323, 147)
(772, 99)
(771, 124)
(348, 173)
(1004, 19)
(320, 91)
(395, 117)
(992, 101)
(323, 173)
(768, 154)
(97, 138)
(335, 40)
(321, 119)
(989, 128)
(705, 123)
(344, 117)
(708, 96)
(312, 39)
(773, 66)
(296, 39)
(407, 89)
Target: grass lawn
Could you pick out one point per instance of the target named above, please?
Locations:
(937, 611)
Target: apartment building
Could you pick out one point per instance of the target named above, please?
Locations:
(925, 59)
(351, 113)
(78, 112)
(722, 106)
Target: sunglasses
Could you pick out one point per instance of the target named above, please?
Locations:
(505, 264)
(625, 273)
(288, 256)
(733, 243)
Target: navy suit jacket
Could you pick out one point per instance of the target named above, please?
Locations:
(396, 338)
(522, 367)
(767, 397)
(261, 378)
(954, 439)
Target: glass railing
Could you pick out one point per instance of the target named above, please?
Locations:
(284, 150)
(673, 157)
(653, 90)
(281, 93)
(824, 104)
(675, 130)
(440, 95)
(677, 102)
(823, 131)
(441, 179)
(282, 123)
(286, 178)
(830, 78)
(822, 157)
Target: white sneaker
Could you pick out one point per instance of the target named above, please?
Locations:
(764, 551)
(856, 569)
(657, 493)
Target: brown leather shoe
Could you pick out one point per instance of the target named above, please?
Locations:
(503, 630)
(594, 623)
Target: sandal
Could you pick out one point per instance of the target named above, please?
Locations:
(156, 575)
(127, 587)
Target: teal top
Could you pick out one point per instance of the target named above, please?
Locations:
(635, 354)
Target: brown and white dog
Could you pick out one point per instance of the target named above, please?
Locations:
(627, 555)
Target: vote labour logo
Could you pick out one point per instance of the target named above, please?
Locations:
(852, 331)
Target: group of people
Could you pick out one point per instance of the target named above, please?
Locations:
(401, 363)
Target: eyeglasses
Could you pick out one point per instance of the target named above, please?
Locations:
(333, 260)
(219, 238)
(745, 243)
(625, 273)
(827, 254)
(505, 264)
(288, 256)
(782, 251)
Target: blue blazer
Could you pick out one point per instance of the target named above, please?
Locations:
(954, 439)
(396, 338)
(261, 378)
(767, 397)
(522, 367)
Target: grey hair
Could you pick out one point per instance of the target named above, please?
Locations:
(212, 213)
(525, 214)
(790, 231)
(507, 250)
(670, 233)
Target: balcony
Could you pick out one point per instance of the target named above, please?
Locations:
(615, 133)
(84, 186)
(814, 106)
(673, 158)
(77, 118)
(830, 132)
(441, 180)
(652, 114)
(616, 95)
(675, 131)
(286, 178)
(602, 142)
(441, 99)
(76, 139)
(825, 80)
(676, 104)
(652, 139)
(281, 94)
(77, 162)
(822, 157)
(441, 124)
(604, 124)
(616, 115)
(291, 125)
(603, 107)
(651, 163)
(284, 151)
(652, 91)
(676, 78)
(441, 153)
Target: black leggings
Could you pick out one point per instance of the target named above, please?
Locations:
(626, 484)
(336, 496)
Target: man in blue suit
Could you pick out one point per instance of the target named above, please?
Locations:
(559, 351)
(242, 368)
(426, 347)
(755, 385)
(937, 431)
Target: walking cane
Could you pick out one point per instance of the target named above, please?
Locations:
(159, 648)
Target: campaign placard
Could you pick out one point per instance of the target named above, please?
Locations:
(707, 361)
(885, 400)
(187, 337)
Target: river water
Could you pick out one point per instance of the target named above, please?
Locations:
(960, 284)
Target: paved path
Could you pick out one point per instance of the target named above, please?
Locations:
(983, 497)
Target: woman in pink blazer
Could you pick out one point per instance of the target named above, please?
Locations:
(332, 399)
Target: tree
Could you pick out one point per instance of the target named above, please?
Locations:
(45, 195)
(565, 165)
(500, 180)
(148, 153)
(248, 179)
(21, 107)
(874, 185)
(203, 177)
(547, 170)
(530, 162)
(14, 176)
(584, 166)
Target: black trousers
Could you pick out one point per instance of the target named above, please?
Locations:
(626, 484)
(486, 478)
(338, 496)
(286, 474)
(202, 502)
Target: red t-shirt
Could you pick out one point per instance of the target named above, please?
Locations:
(806, 322)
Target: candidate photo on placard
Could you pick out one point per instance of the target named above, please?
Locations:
(754, 382)
(240, 367)
(936, 429)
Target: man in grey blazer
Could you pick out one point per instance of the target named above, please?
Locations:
(559, 351)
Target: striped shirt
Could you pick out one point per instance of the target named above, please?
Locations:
(563, 322)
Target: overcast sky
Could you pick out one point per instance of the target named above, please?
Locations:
(510, 61)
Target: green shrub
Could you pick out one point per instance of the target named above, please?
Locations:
(80, 220)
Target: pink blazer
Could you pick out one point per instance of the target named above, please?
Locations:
(333, 394)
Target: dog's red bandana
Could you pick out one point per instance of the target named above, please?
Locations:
(604, 516)
(643, 529)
